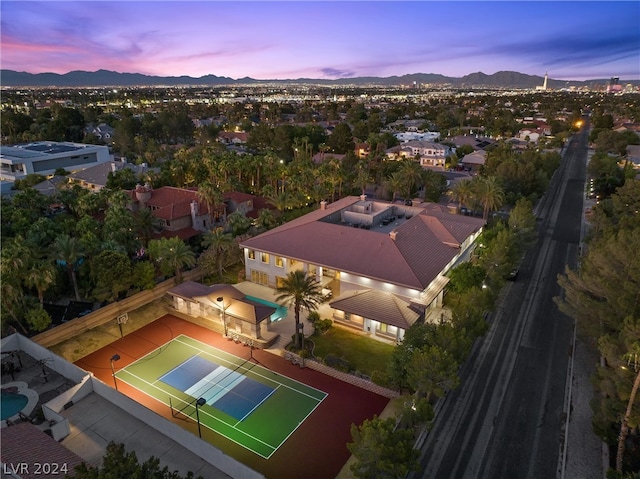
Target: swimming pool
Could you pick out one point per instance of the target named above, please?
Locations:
(12, 404)
(280, 313)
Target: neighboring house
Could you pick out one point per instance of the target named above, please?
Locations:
(103, 132)
(228, 307)
(245, 203)
(633, 155)
(178, 210)
(429, 154)
(474, 161)
(202, 122)
(362, 150)
(95, 178)
(368, 252)
(530, 134)
(414, 135)
(477, 142)
(233, 137)
(45, 157)
(51, 186)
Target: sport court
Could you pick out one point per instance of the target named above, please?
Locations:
(248, 404)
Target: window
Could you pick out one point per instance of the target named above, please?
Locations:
(251, 254)
(259, 277)
(264, 257)
(279, 262)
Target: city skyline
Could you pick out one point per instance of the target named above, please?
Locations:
(323, 40)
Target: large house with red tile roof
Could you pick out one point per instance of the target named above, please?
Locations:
(178, 210)
(384, 263)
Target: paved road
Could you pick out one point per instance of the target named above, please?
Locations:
(506, 420)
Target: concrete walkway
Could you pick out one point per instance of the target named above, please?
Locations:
(586, 455)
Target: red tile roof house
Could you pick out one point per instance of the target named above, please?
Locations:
(385, 263)
(179, 210)
(233, 137)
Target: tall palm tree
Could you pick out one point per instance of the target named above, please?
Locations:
(299, 290)
(363, 176)
(145, 223)
(217, 241)
(411, 173)
(67, 251)
(491, 195)
(394, 184)
(210, 195)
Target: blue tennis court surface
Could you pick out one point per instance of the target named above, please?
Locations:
(225, 389)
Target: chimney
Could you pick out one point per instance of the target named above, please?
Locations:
(113, 166)
(393, 235)
(323, 205)
(363, 197)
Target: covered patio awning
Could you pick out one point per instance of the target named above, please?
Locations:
(379, 306)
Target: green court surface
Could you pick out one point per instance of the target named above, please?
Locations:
(243, 401)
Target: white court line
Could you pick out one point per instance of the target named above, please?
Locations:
(254, 372)
(202, 412)
(257, 405)
(237, 367)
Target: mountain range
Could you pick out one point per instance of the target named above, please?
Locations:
(502, 79)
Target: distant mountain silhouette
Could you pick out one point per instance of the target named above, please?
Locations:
(504, 79)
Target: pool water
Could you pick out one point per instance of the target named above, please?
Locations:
(281, 311)
(12, 404)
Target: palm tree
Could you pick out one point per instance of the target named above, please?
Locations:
(217, 241)
(299, 290)
(67, 251)
(394, 184)
(491, 195)
(176, 254)
(411, 173)
(210, 195)
(363, 177)
(281, 200)
(265, 219)
(145, 223)
(462, 192)
(41, 275)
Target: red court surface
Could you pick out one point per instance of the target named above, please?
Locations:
(317, 449)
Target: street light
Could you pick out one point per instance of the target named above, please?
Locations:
(200, 402)
(220, 299)
(115, 357)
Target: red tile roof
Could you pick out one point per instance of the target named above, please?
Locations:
(169, 203)
(379, 306)
(422, 247)
(25, 444)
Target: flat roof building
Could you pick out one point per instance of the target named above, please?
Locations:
(44, 157)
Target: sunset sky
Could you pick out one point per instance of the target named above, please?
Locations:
(328, 39)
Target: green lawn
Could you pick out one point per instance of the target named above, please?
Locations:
(365, 355)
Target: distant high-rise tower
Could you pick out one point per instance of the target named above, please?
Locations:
(544, 84)
(614, 85)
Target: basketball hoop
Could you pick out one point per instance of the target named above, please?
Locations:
(122, 319)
